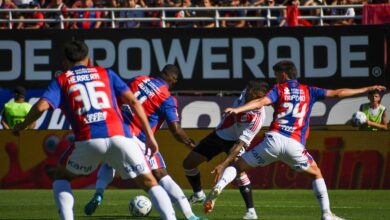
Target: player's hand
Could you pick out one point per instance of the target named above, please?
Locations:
(151, 143)
(229, 111)
(191, 144)
(218, 170)
(377, 87)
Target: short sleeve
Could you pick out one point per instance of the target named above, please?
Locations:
(273, 94)
(317, 93)
(53, 94)
(117, 83)
(170, 110)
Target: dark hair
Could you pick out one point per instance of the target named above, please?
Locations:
(75, 50)
(373, 92)
(286, 66)
(170, 69)
(255, 89)
(19, 92)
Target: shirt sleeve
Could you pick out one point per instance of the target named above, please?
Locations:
(170, 110)
(53, 94)
(117, 83)
(253, 127)
(317, 93)
(273, 94)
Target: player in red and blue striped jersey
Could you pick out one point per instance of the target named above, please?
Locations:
(87, 96)
(286, 138)
(160, 106)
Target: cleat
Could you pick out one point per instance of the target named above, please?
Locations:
(250, 215)
(92, 205)
(197, 199)
(197, 218)
(330, 216)
(209, 203)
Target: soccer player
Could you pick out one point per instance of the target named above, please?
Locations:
(87, 96)
(153, 92)
(375, 112)
(233, 132)
(287, 134)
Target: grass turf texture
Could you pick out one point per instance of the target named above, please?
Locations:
(269, 204)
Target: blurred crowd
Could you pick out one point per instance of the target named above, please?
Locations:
(281, 15)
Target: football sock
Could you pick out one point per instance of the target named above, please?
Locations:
(227, 177)
(161, 201)
(105, 176)
(246, 190)
(176, 195)
(64, 199)
(320, 191)
(193, 177)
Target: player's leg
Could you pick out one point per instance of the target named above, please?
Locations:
(229, 174)
(135, 165)
(79, 159)
(261, 155)
(299, 159)
(321, 192)
(62, 191)
(207, 149)
(192, 173)
(104, 178)
(174, 191)
(245, 187)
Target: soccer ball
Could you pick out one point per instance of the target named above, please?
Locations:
(359, 118)
(140, 206)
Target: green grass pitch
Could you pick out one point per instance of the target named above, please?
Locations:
(270, 204)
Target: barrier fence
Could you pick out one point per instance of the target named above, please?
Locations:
(113, 18)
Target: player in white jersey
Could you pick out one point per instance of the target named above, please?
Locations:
(233, 132)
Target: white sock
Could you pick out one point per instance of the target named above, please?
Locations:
(227, 177)
(200, 193)
(105, 176)
(176, 195)
(321, 193)
(64, 199)
(161, 201)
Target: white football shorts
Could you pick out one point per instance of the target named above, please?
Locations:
(156, 161)
(276, 147)
(121, 153)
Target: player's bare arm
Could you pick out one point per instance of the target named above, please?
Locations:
(35, 112)
(345, 92)
(179, 134)
(233, 153)
(129, 98)
(254, 104)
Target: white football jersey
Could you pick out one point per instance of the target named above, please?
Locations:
(243, 126)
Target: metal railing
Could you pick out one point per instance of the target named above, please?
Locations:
(113, 18)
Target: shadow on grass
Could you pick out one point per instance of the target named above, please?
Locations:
(116, 217)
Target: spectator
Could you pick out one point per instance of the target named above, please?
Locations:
(8, 4)
(15, 111)
(59, 4)
(207, 14)
(233, 13)
(291, 15)
(184, 14)
(343, 11)
(131, 14)
(375, 112)
(34, 15)
(273, 13)
(155, 14)
(86, 15)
